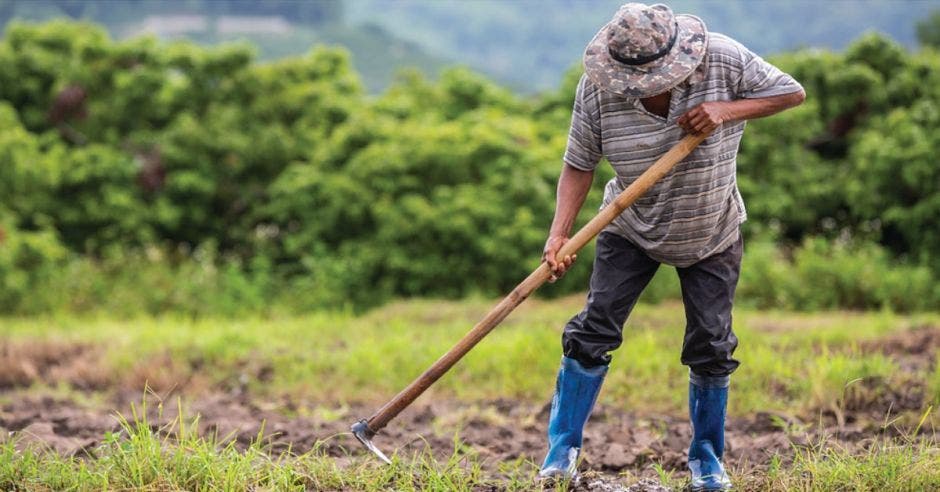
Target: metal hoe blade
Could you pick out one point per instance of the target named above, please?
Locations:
(364, 434)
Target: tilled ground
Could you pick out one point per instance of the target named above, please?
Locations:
(617, 442)
(497, 431)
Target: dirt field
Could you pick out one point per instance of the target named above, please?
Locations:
(499, 431)
(618, 443)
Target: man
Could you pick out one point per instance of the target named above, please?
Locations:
(651, 76)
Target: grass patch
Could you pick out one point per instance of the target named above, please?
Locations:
(933, 386)
(887, 465)
(790, 362)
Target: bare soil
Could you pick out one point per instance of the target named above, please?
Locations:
(914, 349)
(497, 431)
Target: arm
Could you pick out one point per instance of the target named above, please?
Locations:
(759, 89)
(582, 154)
(708, 116)
(573, 187)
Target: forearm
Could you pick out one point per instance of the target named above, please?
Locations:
(748, 109)
(706, 117)
(573, 187)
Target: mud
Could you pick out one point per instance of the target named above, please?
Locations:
(51, 362)
(913, 350)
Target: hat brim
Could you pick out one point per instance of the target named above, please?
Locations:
(654, 77)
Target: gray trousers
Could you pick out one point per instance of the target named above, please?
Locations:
(622, 271)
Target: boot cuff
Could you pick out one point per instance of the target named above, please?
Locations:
(709, 381)
(570, 364)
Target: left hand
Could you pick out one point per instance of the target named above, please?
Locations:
(705, 117)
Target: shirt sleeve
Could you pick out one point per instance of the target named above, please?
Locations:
(761, 79)
(584, 138)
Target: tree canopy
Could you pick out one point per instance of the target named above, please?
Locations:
(290, 172)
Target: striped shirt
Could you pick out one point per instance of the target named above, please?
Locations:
(696, 209)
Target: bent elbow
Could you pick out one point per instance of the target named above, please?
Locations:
(798, 97)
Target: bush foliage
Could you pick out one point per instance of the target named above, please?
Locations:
(145, 176)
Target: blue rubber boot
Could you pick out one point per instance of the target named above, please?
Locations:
(708, 400)
(575, 393)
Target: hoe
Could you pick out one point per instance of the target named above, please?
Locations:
(366, 429)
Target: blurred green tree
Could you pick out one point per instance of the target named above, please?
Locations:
(288, 173)
(928, 30)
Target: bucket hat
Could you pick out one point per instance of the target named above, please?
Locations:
(645, 50)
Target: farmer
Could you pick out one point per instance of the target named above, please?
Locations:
(651, 77)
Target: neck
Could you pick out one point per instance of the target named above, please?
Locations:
(658, 104)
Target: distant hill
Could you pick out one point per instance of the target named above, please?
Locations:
(526, 44)
(278, 28)
(377, 54)
(529, 43)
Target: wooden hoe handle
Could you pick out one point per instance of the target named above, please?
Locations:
(538, 277)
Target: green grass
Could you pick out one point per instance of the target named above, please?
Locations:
(790, 362)
(885, 466)
(808, 358)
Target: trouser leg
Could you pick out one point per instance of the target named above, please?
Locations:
(708, 293)
(621, 272)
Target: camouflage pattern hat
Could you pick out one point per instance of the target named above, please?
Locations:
(645, 50)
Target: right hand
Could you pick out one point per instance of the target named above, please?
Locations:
(559, 268)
